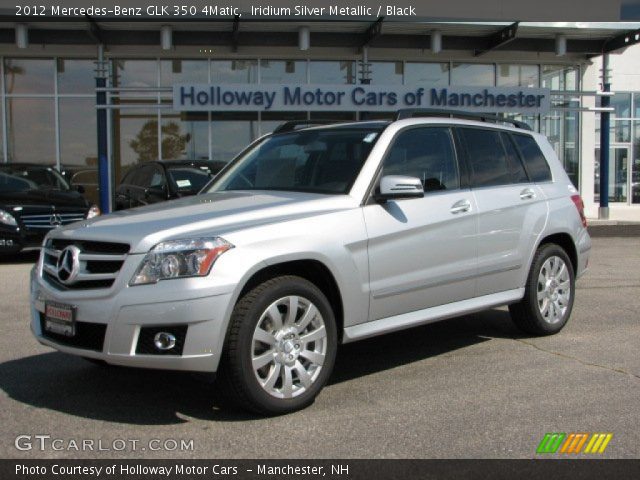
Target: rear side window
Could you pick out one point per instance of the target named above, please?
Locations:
(534, 161)
(518, 174)
(486, 156)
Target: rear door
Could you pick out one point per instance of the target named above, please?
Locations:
(422, 251)
(511, 209)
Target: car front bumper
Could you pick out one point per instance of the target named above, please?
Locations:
(122, 313)
(13, 239)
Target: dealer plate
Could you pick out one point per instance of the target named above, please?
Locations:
(60, 318)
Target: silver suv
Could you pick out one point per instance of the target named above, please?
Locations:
(318, 236)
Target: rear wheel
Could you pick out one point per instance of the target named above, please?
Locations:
(280, 348)
(549, 292)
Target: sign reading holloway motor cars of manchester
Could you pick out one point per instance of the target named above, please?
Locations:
(304, 97)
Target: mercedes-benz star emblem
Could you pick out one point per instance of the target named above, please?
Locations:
(55, 220)
(68, 265)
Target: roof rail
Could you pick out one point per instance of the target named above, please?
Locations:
(434, 112)
(294, 124)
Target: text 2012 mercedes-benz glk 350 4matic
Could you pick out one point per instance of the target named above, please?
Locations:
(318, 236)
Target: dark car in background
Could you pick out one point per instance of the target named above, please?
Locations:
(84, 179)
(35, 199)
(158, 181)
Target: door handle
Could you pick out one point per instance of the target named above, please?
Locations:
(527, 194)
(461, 206)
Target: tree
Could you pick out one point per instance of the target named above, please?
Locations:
(146, 142)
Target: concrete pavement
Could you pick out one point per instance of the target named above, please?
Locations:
(469, 387)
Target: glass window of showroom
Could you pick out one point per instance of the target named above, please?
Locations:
(624, 151)
(43, 98)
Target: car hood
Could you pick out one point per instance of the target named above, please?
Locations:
(205, 214)
(47, 198)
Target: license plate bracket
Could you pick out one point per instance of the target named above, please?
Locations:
(60, 318)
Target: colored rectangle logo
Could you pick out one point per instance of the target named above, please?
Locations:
(574, 443)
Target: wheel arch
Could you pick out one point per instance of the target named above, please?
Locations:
(310, 269)
(564, 240)
(560, 237)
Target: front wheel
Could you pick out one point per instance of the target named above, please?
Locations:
(549, 292)
(281, 347)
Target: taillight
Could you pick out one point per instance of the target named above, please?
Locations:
(577, 201)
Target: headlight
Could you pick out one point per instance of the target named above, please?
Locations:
(179, 258)
(94, 211)
(7, 218)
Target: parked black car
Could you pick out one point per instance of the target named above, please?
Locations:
(158, 181)
(33, 200)
(82, 177)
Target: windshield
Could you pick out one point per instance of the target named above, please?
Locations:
(190, 179)
(317, 160)
(16, 178)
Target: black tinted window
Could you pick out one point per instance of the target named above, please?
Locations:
(32, 177)
(518, 174)
(425, 153)
(487, 158)
(144, 175)
(128, 177)
(13, 183)
(534, 161)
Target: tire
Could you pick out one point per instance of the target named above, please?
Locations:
(552, 277)
(274, 363)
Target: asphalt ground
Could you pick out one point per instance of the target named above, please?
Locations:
(468, 387)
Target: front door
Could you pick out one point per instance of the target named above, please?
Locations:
(422, 251)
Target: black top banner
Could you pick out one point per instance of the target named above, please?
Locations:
(311, 10)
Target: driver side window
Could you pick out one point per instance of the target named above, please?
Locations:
(426, 153)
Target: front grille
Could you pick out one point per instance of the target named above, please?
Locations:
(89, 336)
(88, 246)
(99, 263)
(48, 221)
(146, 346)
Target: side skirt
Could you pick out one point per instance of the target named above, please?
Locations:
(430, 315)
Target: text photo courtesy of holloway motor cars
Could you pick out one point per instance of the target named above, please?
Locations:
(320, 240)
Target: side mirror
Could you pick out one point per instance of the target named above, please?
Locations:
(395, 187)
(80, 189)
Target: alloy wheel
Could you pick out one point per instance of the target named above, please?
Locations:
(289, 346)
(554, 289)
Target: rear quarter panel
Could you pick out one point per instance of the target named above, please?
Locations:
(563, 215)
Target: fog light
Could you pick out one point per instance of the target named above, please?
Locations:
(164, 341)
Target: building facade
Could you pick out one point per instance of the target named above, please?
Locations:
(48, 101)
(624, 152)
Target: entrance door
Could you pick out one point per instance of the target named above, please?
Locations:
(635, 175)
(621, 180)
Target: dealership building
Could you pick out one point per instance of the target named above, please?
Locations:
(205, 89)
